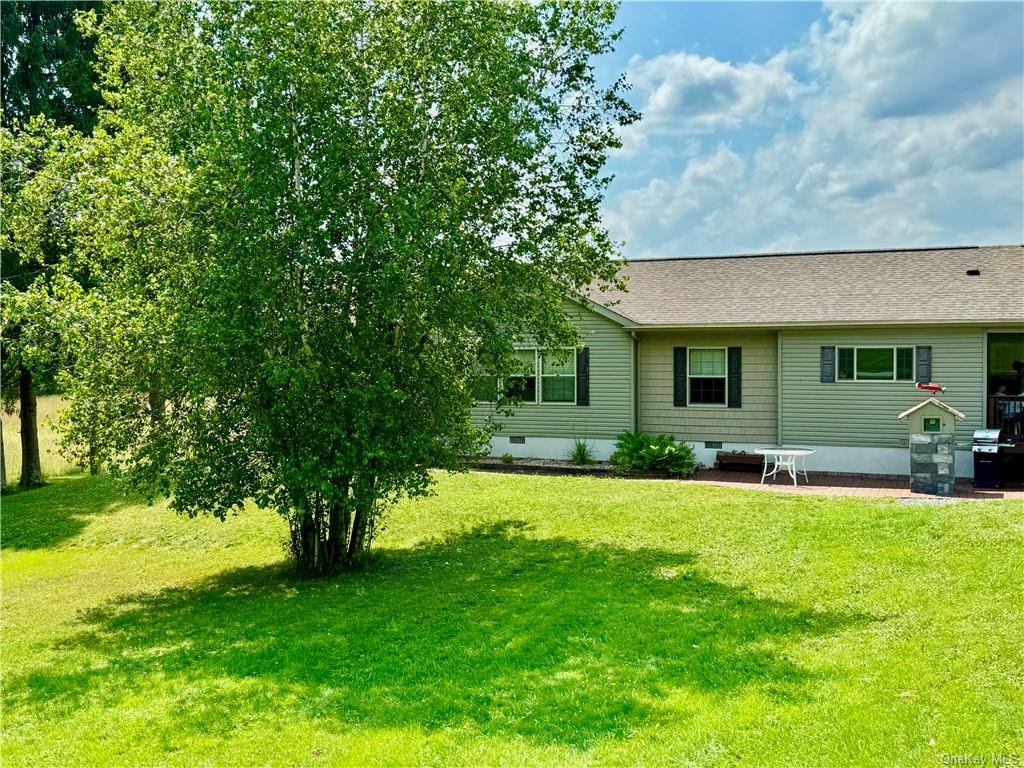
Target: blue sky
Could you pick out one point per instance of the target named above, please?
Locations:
(803, 126)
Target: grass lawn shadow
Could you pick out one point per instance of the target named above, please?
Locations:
(549, 639)
(44, 517)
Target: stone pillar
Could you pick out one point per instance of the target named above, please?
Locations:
(932, 464)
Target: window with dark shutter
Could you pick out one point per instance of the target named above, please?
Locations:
(557, 375)
(828, 365)
(707, 374)
(583, 376)
(679, 376)
(735, 394)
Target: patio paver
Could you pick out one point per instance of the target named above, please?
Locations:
(843, 485)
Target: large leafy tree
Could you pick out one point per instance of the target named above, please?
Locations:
(46, 69)
(328, 216)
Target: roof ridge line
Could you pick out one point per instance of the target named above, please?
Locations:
(825, 253)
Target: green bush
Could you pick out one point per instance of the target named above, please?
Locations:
(581, 453)
(638, 451)
(508, 458)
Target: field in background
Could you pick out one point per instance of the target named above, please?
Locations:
(53, 463)
(516, 621)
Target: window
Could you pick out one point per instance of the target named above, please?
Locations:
(558, 376)
(904, 363)
(932, 424)
(875, 364)
(523, 384)
(705, 374)
(484, 388)
(554, 371)
(845, 364)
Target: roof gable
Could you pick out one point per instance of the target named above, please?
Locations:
(602, 310)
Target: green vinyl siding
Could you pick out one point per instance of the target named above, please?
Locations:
(754, 422)
(863, 413)
(611, 389)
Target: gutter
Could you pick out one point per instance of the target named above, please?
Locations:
(823, 324)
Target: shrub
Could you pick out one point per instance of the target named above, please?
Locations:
(638, 451)
(508, 458)
(581, 453)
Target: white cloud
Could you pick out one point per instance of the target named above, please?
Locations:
(685, 93)
(906, 59)
(665, 205)
(878, 154)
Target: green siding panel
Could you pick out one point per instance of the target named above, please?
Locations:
(611, 389)
(864, 413)
(755, 421)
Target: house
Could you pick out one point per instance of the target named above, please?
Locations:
(819, 350)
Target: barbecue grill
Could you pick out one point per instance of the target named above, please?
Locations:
(988, 464)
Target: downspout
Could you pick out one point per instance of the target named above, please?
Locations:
(778, 387)
(636, 380)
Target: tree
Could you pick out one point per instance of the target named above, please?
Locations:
(358, 204)
(46, 68)
(30, 240)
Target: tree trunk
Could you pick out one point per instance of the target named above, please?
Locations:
(363, 501)
(157, 401)
(3, 460)
(31, 466)
(304, 543)
(326, 536)
(94, 459)
(318, 539)
(360, 521)
(335, 535)
(338, 522)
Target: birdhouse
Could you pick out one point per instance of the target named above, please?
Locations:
(932, 425)
(931, 417)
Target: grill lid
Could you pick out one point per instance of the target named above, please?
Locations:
(987, 435)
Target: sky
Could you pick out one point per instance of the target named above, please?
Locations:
(774, 127)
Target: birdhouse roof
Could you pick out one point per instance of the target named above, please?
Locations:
(932, 401)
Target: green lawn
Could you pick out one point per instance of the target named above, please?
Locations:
(517, 621)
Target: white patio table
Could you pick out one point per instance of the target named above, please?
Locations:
(792, 460)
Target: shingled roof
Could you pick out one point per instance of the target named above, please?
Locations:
(927, 285)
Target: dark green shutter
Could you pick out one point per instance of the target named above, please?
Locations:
(583, 376)
(828, 365)
(924, 364)
(679, 376)
(734, 394)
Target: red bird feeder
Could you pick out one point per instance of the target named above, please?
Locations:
(932, 387)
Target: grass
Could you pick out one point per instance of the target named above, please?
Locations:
(516, 621)
(50, 459)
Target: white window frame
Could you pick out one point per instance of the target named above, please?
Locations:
(536, 375)
(538, 372)
(725, 378)
(895, 370)
(571, 351)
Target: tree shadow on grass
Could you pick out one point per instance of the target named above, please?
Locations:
(548, 639)
(58, 511)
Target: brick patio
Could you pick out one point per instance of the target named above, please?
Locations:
(842, 485)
